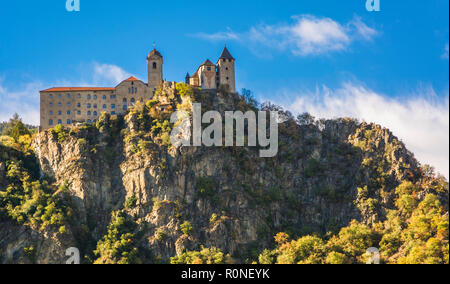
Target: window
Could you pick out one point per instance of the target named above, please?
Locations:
(68, 112)
(50, 113)
(104, 97)
(59, 121)
(95, 113)
(51, 96)
(88, 121)
(129, 90)
(95, 97)
(89, 97)
(68, 121)
(208, 68)
(50, 122)
(105, 107)
(59, 104)
(68, 104)
(113, 106)
(78, 105)
(79, 112)
(113, 113)
(95, 106)
(59, 96)
(68, 96)
(135, 90)
(226, 68)
(89, 113)
(155, 66)
(133, 100)
(124, 100)
(51, 104)
(124, 107)
(113, 97)
(89, 105)
(59, 112)
(228, 78)
(79, 96)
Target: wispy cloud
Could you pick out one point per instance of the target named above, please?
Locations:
(23, 100)
(421, 122)
(109, 73)
(445, 54)
(305, 35)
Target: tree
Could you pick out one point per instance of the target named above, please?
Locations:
(15, 128)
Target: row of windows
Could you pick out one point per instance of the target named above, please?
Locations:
(95, 105)
(124, 107)
(88, 96)
(50, 122)
(132, 90)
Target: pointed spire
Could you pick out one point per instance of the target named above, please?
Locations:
(226, 54)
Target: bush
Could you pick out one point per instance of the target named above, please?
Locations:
(186, 228)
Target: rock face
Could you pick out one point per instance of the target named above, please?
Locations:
(234, 200)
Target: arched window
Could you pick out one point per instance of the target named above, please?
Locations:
(50, 122)
(89, 97)
(78, 105)
(68, 112)
(50, 113)
(59, 121)
(68, 121)
(155, 66)
(124, 100)
(59, 104)
(51, 104)
(79, 96)
(95, 106)
(51, 96)
(68, 96)
(124, 107)
(79, 112)
(89, 113)
(135, 90)
(88, 121)
(95, 97)
(89, 105)
(59, 112)
(113, 113)
(59, 96)
(104, 97)
(104, 106)
(95, 113)
(68, 104)
(113, 106)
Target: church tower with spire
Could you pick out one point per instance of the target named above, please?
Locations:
(226, 71)
(155, 69)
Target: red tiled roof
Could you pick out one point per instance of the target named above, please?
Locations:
(77, 89)
(132, 78)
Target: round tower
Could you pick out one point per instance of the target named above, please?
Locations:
(155, 69)
(226, 70)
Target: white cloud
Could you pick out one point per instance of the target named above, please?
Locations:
(421, 121)
(109, 74)
(445, 54)
(306, 35)
(24, 101)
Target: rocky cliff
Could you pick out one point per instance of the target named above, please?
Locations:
(187, 197)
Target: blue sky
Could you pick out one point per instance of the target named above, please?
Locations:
(327, 57)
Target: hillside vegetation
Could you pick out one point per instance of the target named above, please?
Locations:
(121, 193)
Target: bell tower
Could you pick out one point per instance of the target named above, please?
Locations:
(155, 69)
(226, 70)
